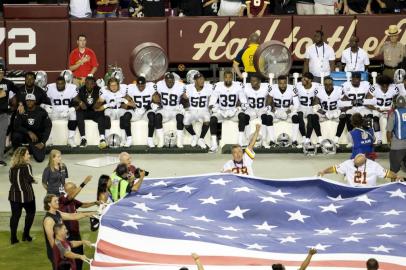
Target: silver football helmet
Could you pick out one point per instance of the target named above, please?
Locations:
(170, 139)
(190, 76)
(67, 75)
(41, 78)
(309, 149)
(118, 74)
(114, 140)
(328, 147)
(399, 75)
(283, 140)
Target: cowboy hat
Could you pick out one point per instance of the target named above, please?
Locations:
(393, 30)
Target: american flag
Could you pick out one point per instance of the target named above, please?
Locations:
(239, 222)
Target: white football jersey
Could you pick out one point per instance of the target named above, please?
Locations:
(199, 99)
(306, 96)
(114, 99)
(245, 167)
(61, 98)
(356, 93)
(227, 97)
(170, 98)
(329, 102)
(257, 98)
(384, 100)
(283, 100)
(364, 176)
(141, 98)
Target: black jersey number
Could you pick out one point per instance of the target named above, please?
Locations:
(384, 102)
(58, 102)
(279, 103)
(356, 96)
(256, 103)
(306, 101)
(329, 106)
(199, 102)
(169, 99)
(142, 101)
(228, 100)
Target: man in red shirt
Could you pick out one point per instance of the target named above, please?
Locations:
(82, 61)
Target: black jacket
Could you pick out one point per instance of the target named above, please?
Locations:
(7, 86)
(36, 121)
(39, 93)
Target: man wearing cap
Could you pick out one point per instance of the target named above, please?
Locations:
(393, 51)
(7, 91)
(246, 57)
(32, 127)
(361, 172)
(396, 134)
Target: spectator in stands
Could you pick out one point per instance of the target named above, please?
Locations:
(54, 175)
(103, 189)
(357, 7)
(7, 90)
(210, 7)
(319, 58)
(123, 182)
(82, 61)
(257, 8)
(396, 135)
(231, 8)
(372, 264)
(80, 9)
(361, 137)
(305, 7)
(135, 9)
(191, 8)
(64, 254)
(393, 51)
(106, 8)
(54, 216)
(354, 57)
(245, 57)
(32, 127)
(21, 194)
(325, 7)
(68, 204)
(85, 103)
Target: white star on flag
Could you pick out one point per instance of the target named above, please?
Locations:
(209, 200)
(359, 220)
(336, 199)
(387, 225)
(185, 189)
(230, 228)
(175, 207)
(255, 246)
(203, 218)
(296, 216)
(160, 183)
(130, 223)
(136, 216)
(150, 196)
(279, 193)
(392, 212)
(288, 239)
(269, 199)
(168, 218)
(265, 226)
(219, 181)
(325, 231)
(142, 206)
(242, 189)
(225, 236)
(351, 238)
(320, 247)
(381, 248)
(192, 234)
(397, 193)
(330, 208)
(365, 199)
(237, 212)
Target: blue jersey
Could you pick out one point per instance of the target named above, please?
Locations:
(363, 141)
(399, 128)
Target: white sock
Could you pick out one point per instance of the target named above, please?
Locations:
(295, 130)
(319, 139)
(129, 138)
(264, 131)
(336, 139)
(378, 136)
(71, 134)
(271, 133)
(83, 137)
(102, 137)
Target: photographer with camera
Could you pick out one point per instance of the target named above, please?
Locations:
(123, 180)
(362, 136)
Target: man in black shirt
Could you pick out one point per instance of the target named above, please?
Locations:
(5, 87)
(191, 7)
(153, 8)
(84, 104)
(32, 127)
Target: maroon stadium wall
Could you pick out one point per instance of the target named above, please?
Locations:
(44, 44)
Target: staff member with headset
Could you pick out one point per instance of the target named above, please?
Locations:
(396, 134)
(246, 57)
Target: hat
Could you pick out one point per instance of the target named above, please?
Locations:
(197, 76)
(30, 97)
(356, 75)
(169, 75)
(393, 30)
(401, 102)
(141, 80)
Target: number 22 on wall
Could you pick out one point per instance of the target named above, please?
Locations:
(13, 59)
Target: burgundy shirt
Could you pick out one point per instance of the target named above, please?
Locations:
(70, 206)
(106, 8)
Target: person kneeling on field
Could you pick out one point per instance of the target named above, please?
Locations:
(124, 182)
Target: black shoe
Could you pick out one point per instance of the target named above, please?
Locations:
(2, 163)
(294, 144)
(272, 144)
(27, 238)
(83, 142)
(14, 241)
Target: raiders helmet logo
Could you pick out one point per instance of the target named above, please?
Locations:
(31, 121)
(364, 135)
(89, 100)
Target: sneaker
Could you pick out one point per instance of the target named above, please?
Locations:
(349, 145)
(128, 143)
(83, 142)
(194, 141)
(102, 144)
(71, 142)
(213, 149)
(2, 163)
(265, 144)
(150, 143)
(202, 143)
(295, 144)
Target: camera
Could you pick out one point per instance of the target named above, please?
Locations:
(367, 123)
(137, 173)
